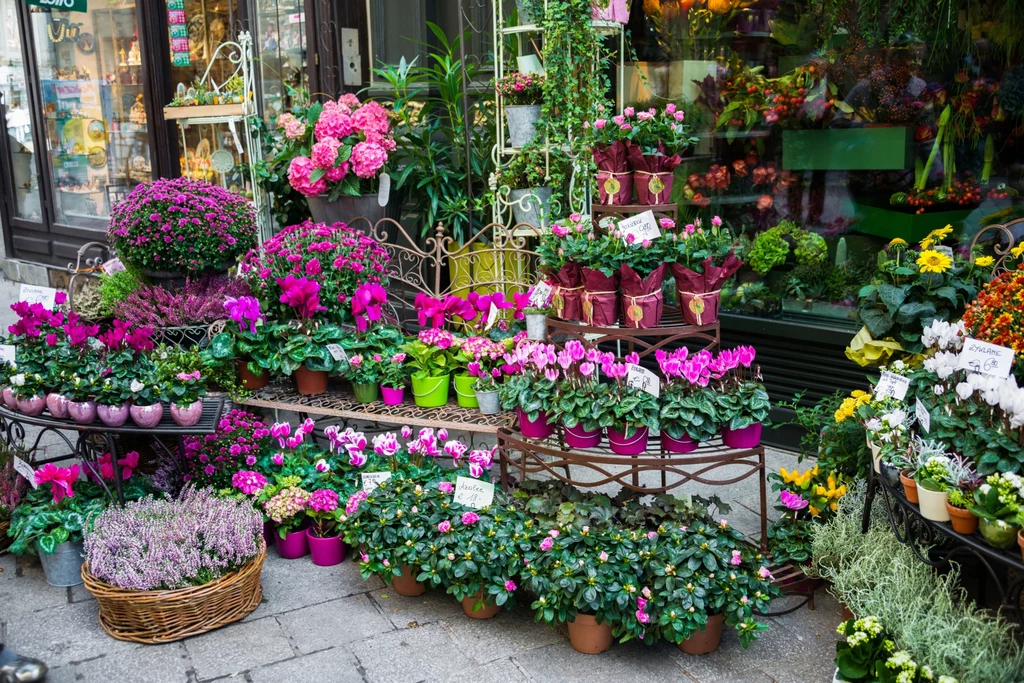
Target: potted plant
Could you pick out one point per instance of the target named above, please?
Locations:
(112, 396)
(521, 95)
(996, 503)
(529, 388)
(689, 412)
(633, 412)
(51, 522)
(743, 401)
(555, 251)
(531, 176)
(484, 361)
(185, 390)
(655, 148)
(963, 520)
(146, 392)
(29, 393)
(196, 571)
(865, 644)
(580, 395)
(239, 441)
(536, 313)
(246, 341)
(641, 265)
(81, 394)
(608, 147)
(701, 261)
(325, 546)
(392, 379)
(304, 354)
(430, 356)
(12, 490)
(600, 278)
(365, 373)
(286, 507)
(933, 478)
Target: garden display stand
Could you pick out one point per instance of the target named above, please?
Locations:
(93, 440)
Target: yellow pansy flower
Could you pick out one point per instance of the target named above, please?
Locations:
(932, 261)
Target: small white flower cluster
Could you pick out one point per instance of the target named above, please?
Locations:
(944, 336)
(891, 425)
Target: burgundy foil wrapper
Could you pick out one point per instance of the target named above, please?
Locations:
(642, 298)
(600, 298)
(567, 291)
(699, 294)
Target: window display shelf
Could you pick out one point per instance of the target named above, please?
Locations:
(204, 113)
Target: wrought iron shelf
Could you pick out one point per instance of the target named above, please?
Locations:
(599, 211)
(212, 409)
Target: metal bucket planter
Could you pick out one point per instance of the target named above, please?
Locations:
(488, 400)
(522, 120)
(529, 205)
(63, 567)
(537, 326)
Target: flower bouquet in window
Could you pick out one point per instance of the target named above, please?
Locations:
(642, 267)
(557, 253)
(632, 411)
(658, 140)
(609, 138)
(430, 356)
(702, 260)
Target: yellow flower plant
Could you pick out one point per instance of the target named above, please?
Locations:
(984, 261)
(932, 261)
(848, 407)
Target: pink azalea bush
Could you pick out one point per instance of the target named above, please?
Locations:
(182, 225)
(333, 260)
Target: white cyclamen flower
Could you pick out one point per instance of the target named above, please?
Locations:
(18, 380)
(964, 390)
(136, 386)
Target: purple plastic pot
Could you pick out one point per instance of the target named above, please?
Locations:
(82, 412)
(577, 437)
(325, 552)
(9, 400)
(113, 416)
(147, 417)
(392, 397)
(31, 406)
(57, 405)
(293, 546)
(635, 444)
(186, 416)
(748, 437)
(537, 429)
(683, 445)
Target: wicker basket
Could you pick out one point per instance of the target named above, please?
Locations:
(5, 542)
(165, 616)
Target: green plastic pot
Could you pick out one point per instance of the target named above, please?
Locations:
(430, 392)
(998, 533)
(366, 393)
(465, 392)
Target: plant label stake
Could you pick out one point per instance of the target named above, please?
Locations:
(639, 377)
(891, 384)
(540, 294)
(988, 359)
(492, 316)
(7, 352)
(112, 266)
(337, 353)
(473, 493)
(642, 226)
(923, 418)
(385, 190)
(371, 480)
(47, 296)
(25, 470)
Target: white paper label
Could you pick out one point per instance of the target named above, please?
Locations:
(989, 359)
(112, 266)
(641, 378)
(371, 480)
(337, 353)
(540, 295)
(385, 190)
(923, 418)
(7, 352)
(47, 296)
(25, 470)
(473, 493)
(891, 384)
(643, 226)
(492, 315)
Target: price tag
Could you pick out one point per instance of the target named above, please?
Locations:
(492, 316)
(540, 295)
(988, 359)
(25, 470)
(112, 266)
(641, 378)
(371, 480)
(7, 352)
(385, 190)
(473, 493)
(47, 296)
(891, 384)
(643, 226)
(337, 353)
(923, 418)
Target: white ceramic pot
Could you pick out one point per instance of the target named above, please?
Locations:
(933, 504)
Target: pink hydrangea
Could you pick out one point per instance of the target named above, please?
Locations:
(325, 152)
(323, 500)
(293, 128)
(299, 171)
(248, 482)
(338, 172)
(368, 158)
(334, 122)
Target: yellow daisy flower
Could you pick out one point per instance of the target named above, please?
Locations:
(932, 261)
(1017, 250)
(897, 242)
(927, 242)
(984, 261)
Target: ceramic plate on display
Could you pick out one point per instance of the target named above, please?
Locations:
(97, 131)
(222, 161)
(87, 43)
(97, 157)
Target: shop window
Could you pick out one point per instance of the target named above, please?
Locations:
(280, 43)
(18, 117)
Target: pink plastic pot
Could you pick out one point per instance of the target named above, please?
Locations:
(9, 400)
(635, 444)
(113, 416)
(147, 417)
(292, 546)
(82, 412)
(392, 397)
(31, 406)
(186, 416)
(683, 445)
(57, 405)
(536, 429)
(577, 437)
(748, 437)
(325, 552)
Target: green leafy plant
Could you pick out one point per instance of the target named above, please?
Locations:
(42, 519)
(771, 248)
(116, 287)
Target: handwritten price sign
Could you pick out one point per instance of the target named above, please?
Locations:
(643, 226)
(25, 470)
(643, 379)
(7, 352)
(473, 493)
(923, 418)
(47, 296)
(988, 359)
(891, 384)
(337, 353)
(371, 480)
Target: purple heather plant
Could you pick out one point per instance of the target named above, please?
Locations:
(182, 225)
(199, 302)
(168, 543)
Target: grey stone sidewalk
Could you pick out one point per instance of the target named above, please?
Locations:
(328, 624)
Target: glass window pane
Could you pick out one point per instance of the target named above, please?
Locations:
(13, 85)
(91, 70)
(281, 45)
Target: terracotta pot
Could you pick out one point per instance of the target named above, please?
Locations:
(113, 416)
(82, 412)
(963, 521)
(249, 380)
(57, 405)
(486, 611)
(588, 636)
(406, 584)
(147, 417)
(309, 382)
(9, 399)
(909, 486)
(186, 416)
(847, 614)
(706, 640)
(32, 406)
